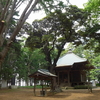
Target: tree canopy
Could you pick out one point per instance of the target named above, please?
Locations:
(63, 24)
(10, 26)
(92, 30)
(54, 31)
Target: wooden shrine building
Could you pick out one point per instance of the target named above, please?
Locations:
(42, 75)
(71, 70)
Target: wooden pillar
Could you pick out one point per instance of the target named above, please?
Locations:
(34, 87)
(81, 77)
(69, 78)
(42, 87)
(45, 89)
(52, 86)
(58, 78)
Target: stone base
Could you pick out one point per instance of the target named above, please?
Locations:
(14, 87)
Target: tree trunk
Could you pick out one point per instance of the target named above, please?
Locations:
(55, 87)
(19, 82)
(89, 84)
(13, 80)
(1, 35)
(3, 54)
(31, 82)
(27, 82)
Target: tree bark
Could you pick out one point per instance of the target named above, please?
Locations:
(3, 54)
(19, 82)
(89, 84)
(13, 80)
(55, 86)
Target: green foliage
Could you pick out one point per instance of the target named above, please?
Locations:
(10, 63)
(6, 73)
(54, 31)
(92, 25)
(51, 5)
(94, 74)
(31, 87)
(96, 61)
(36, 57)
(29, 62)
(81, 87)
(79, 51)
(92, 5)
(98, 84)
(22, 62)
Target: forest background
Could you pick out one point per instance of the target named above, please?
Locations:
(63, 23)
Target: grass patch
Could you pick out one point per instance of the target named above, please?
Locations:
(37, 86)
(25, 87)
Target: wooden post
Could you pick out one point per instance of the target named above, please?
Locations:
(42, 92)
(45, 89)
(58, 78)
(68, 78)
(52, 86)
(34, 86)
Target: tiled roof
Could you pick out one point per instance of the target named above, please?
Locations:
(43, 73)
(46, 72)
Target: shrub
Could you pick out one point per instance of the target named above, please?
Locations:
(98, 84)
(81, 87)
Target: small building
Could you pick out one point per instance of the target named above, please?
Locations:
(71, 70)
(43, 75)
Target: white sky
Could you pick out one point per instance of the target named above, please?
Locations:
(79, 3)
(39, 15)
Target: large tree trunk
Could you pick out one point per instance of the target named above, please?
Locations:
(1, 35)
(13, 80)
(55, 87)
(19, 81)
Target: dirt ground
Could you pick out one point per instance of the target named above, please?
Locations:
(27, 94)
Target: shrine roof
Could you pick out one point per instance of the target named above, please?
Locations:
(69, 59)
(42, 72)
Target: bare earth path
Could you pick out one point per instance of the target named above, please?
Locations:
(27, 94)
